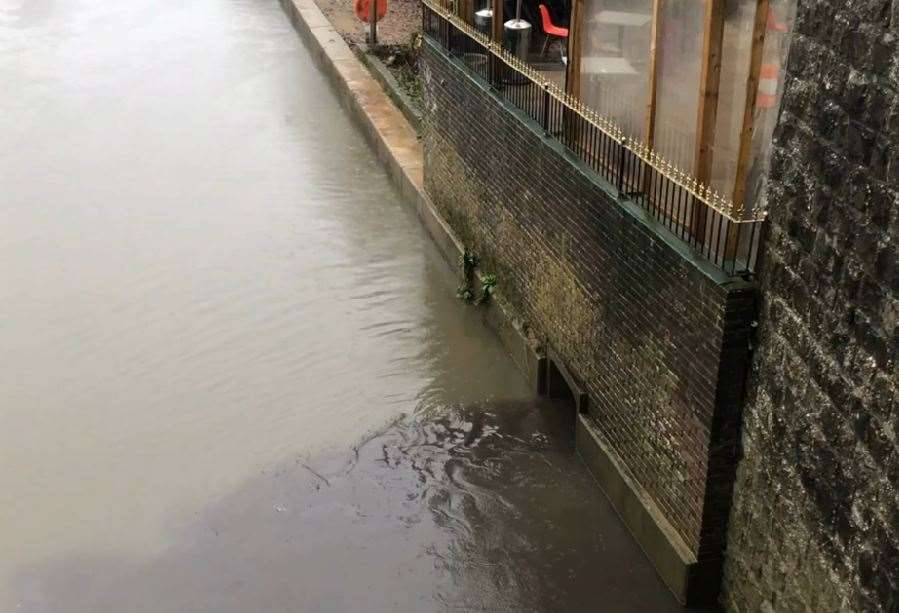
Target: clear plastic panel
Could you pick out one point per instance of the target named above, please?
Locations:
(615, 60)
(679, 71)
(615, 80)
(778, 31)
(739, 20)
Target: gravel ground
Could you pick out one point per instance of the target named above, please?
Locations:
(402, 20)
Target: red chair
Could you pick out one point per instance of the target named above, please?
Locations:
(549, 29)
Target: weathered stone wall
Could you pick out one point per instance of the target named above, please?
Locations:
(815, 521)
(658, 338)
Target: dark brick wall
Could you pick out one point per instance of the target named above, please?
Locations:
(659, 340)
(815, 522)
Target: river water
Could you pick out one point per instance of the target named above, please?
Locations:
(234, 374)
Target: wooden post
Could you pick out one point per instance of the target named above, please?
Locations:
(649, 130)
(497, 34)
(467, 11)
(373, 24)
(573, 70)
(575, 40)
(709, 81)
(649, 125)
(752, 87)
(748, 130)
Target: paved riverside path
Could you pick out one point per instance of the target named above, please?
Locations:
(235, 376)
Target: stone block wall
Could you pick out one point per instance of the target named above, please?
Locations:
(658, 337)
(815, 521)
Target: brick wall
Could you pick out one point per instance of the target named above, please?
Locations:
(815, 522)
(657, 337)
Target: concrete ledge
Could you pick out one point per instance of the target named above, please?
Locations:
(672, 558)
(674, 562)
(397, 146)
(391, 86)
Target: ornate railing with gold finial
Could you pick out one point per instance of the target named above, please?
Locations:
(723, 231)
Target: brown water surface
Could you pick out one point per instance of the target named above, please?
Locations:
(234, 375)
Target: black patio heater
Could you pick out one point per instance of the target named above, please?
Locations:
(483, 21)
(517, 35)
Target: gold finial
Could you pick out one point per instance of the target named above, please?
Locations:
(718, 202)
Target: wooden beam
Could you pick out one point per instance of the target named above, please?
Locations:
(707, 116)
(575, 39)
(649, 125)
(709, 82)
(497, 34)
(752, 86)
(649, 130)
(466, 11)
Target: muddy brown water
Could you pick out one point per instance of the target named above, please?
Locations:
(234, 375)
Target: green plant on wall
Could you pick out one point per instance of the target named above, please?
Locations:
(467, 264)
(488, 283)
(468, 261)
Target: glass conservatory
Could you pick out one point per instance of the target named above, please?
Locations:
(697, 80)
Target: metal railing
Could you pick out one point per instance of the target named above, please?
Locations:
(721, 231)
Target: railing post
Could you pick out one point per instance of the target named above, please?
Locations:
(546, 109)
(621, 168)
(727, 240)
(444, 33)
(492, 67)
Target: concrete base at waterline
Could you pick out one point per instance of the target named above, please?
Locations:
(677, 566)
